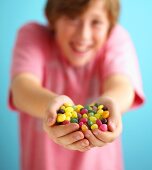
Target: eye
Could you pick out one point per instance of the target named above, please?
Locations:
(73, 20)
(97, 22)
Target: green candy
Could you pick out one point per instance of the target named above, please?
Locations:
(90, 123)
(74, 120)
(91, 114)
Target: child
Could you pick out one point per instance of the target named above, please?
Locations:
(81, 56)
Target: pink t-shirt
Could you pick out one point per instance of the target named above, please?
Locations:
(36, 52)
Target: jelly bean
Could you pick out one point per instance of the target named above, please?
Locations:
(84, 120)
(100, 107)
(105, 114)
(96, 104)
(104, 121)
(90, 114)
(103, 127)
(100, 112)
(89, 123)
(94, 126)
(105, 108)
(61, 117)
(94, 108)
(88, 107)
(98, 122)
(92, 119)
(88, 117)
(69, 109)
(69, 114)
(85, 115)
(67, 104)
(78, 108)
(68, 118)
(83, 111)
(81, 123)
(79, 116)
(97, 116)
(61, 111)
(62, 107)
(74, 114)
(65, 122)
(84, 127)
(74, 120)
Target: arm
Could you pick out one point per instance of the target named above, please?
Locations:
(29, 96)
(119, 88)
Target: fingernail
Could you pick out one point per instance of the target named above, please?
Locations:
(84, 144)
(78, 137)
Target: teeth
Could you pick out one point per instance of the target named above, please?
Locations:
(80, 49)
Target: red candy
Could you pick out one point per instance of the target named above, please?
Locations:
(84, 120)
(98, 122)
(83, 111)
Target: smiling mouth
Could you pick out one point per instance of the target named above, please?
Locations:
(80, 50)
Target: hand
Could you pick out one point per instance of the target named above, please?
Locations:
(68, 135)
(99, 138)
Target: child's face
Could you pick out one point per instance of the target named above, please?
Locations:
(82, 37)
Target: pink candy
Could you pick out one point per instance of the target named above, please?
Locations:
(103, 127)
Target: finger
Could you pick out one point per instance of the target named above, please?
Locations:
(85, 149)
(92, 139)
(50, 116)
(79, 145)
(108, 137)
(62, 130)
(70, 138)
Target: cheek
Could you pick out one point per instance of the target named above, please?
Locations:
(101, 36)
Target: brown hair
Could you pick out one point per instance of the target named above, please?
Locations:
(72, 8)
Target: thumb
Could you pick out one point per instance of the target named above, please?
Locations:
(51, 118)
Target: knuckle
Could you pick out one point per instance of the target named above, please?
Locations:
(110, 140)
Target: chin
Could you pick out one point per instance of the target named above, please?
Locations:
(79, 63)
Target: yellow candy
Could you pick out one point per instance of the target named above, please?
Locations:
(105, 114)
(94, 126)
(68, 118)
(67, 104)
(62, 107)
(78, 108)
(93, 119)
(61, 117)
(100, 112)
(85, 116)
(84, 127)
(68, 114)
(100, 107)
(74, 114)
(97, 116)
(69, 109)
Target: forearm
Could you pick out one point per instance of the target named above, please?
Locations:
(120, 90)
(30, 97)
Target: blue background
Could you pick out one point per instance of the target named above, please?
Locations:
(137, 135)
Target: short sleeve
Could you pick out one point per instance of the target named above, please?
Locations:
(28, 53)
(120, 58)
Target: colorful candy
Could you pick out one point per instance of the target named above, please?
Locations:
(91, 117)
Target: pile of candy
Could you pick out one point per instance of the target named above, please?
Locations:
(89, 117)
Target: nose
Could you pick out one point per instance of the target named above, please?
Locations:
(84, 33)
